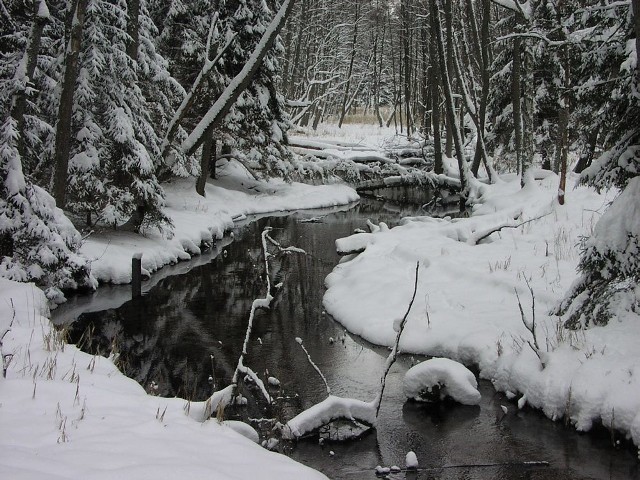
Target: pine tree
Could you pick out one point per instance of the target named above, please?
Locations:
(258, 122)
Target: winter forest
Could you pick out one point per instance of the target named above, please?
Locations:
(156, 127)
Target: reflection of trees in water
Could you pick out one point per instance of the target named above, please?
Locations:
(166, 337)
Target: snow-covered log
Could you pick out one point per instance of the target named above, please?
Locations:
(451, 378)
(415, 178)
(331, 409)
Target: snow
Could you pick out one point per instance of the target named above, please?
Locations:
(411, 461)
(456, 381)
(199, 220)
(466, 308)
(66, 414)
(331, 408)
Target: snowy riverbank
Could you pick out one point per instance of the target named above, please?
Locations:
(466, 307)
(67, 414)
(201, 220)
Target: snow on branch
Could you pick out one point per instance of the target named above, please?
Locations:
(187, 101)
(523, 9)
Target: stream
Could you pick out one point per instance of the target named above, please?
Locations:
(183, 336)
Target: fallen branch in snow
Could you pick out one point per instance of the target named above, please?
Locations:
(7, 357)
(478, 237)
(337, 408)
(330, 409)
(394, 351)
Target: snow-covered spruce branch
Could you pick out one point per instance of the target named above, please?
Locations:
(338, 408)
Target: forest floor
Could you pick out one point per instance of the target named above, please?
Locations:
(67, 414)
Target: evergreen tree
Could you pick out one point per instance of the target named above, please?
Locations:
(258, 122)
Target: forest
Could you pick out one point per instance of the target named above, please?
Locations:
(105, 100)
(248, 144)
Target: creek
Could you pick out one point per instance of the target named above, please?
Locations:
(183, 336)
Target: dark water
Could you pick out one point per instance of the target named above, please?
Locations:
(167, 337)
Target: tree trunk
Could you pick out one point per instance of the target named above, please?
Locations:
(563, 118)
(20, 98)
(515, 101)
(480, 153)
(426, 73)
(133, 28)
(587, 157)
(205, 158)
(635, 4)
(65, 108)
(435, 99)
(354, 43)
(296, 56)
(449, 66)
(451, 114)
(406, 48)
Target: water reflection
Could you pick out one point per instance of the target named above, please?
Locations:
(166, 340)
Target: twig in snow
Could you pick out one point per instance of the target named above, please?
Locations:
(6, 358)
(394, 351)
(531, 327)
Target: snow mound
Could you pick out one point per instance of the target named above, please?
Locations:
(454, 380)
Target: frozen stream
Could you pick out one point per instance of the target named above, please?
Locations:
(197, 309)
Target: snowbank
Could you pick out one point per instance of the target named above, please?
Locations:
(201, 220)
(467, 309)
(67, 415)
(452, 378)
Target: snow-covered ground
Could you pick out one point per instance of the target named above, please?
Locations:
(467, 305)
(69, 415)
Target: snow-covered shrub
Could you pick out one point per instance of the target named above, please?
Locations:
(610, 265)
